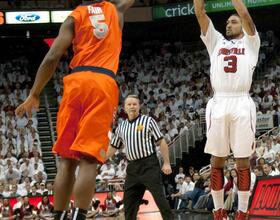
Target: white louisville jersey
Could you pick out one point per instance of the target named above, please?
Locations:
(232, 61)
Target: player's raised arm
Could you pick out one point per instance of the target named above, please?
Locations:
(247, 21)
(48, 66)
(122, 6)
(200, 13)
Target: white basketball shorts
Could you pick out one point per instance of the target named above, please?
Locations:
(231, 125)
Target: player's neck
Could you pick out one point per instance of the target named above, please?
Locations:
(240, 36)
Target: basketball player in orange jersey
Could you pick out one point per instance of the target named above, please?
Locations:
(89, 101)
(231, 113)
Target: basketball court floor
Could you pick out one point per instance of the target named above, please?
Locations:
(156, 216)
(151, 212)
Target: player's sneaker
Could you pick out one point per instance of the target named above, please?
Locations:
(220, 214)
(239, 215)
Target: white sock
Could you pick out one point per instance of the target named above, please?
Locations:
(243, 200)
(218, 198)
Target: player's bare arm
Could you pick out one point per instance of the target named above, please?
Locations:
(48, 66)
(200, 13)
(122, 6)
(247, 21)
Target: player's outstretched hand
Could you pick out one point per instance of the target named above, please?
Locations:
(31, 103)
(166, 169)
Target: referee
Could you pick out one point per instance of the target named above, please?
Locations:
(139, 134)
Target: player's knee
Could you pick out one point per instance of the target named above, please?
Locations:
(217, 162)
(242, 163)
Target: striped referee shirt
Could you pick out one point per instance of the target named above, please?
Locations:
(138, 137)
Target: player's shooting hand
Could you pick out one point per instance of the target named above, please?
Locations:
(166, 169)
(32, 102)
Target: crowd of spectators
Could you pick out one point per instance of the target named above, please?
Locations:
(22, 171)
(171, 83)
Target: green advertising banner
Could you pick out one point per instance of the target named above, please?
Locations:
(184, 9)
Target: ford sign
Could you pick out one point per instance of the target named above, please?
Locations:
(28, 17)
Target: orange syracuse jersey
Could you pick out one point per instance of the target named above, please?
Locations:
(98, 36)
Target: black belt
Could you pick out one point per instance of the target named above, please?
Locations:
(94, 69)
(143, 158)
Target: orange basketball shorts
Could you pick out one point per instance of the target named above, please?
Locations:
(85, 115)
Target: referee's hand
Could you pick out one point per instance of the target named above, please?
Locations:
(166, 169)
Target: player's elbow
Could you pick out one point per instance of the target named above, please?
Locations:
(197, 12)
(200, 14)
(53, 55)
(51, 58)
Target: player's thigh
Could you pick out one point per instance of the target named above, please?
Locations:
(99, 106)
(68, 119)
(242, 130)
(217, 129)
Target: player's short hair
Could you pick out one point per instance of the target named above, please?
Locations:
(236, 15)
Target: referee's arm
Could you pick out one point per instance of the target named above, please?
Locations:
(110, 152)
(166, 168)
(115, 144)
(164, 150)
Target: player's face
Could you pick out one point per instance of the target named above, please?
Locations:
(234, 27)
(132, 107)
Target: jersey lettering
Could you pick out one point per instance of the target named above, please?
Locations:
(94, 10)
(236, 51)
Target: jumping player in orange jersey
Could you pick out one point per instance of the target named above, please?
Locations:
(89, 101)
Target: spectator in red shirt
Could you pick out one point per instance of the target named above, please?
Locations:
(6, 210)
(110, 205)
(45, 208)
(26, 210)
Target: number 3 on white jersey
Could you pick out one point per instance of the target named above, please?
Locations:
(100, 28)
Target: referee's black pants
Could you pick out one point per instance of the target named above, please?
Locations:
(141, 175)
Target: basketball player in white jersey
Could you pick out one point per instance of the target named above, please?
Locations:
(231, 113)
